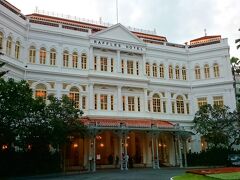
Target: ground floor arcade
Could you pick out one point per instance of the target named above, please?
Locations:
(127, 144)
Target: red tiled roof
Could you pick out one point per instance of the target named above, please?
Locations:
(206, 38)
(94, 27)
(133, 123)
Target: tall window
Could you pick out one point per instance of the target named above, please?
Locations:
(147, 69)
(84, 61)
(103, 101)
(218, 101)
(41, 91)
(32, 55)
(95, 101)
(65, 59)
(103, 63)
(17, 49)
(95, 63)
(42, 56)
(124, 103)
(112, 65)
(177, 72)
(137, 68)
(9, 46)
(131, 104)
(74, 96)
(53, 57)
(173, 107)
(84, 102)
(161, 70)
(170, 72)
(130, 67)
(180, 105)
(197, 72)
(206, 71)
(156, 103)
(216, 70)
(184, 73)
(201, 101)
(112, 102)
(1, 40)
(139, 105)
(75, 60)
(154, 68)
(122, 66)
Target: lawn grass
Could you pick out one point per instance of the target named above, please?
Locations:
(228, 176)
(192, 177)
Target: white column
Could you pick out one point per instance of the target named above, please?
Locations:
(109, 102)
(119, 98)
(157, 152)
(125, 66)
(145, 100)
(98, 102)
(134, 68)
(37, 56)
(119, 67)
(90, 99)
(58, 89)
(143, 65)
(91, 61)
(98, 63)
(153, 153)
(59, 57)
(108, 64)
(136, 103)
(179, 151)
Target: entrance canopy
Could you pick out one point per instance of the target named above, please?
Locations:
(131, 124)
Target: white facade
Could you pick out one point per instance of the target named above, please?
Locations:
(117, 44)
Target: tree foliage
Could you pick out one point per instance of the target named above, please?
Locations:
(218, 125)
(25, 121)
(235, 62)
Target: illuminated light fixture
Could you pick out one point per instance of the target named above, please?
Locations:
(126, 144)
(128, 137)
(29, 147)
(160, 145)
(164, 145)
(4, 146)
(98, 137)
(101, 145)
(75, 145)
(202, 144)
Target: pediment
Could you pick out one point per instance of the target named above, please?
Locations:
(117, 32)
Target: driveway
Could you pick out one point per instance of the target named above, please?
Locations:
(115, 174)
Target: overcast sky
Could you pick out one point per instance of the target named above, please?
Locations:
(178, 20)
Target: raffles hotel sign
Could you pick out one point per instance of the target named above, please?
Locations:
(118, 45)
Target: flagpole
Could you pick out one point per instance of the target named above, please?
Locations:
(117, 9)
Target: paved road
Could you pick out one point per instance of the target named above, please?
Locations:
(138, 174)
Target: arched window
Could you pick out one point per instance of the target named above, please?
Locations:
(65, 58)
(216, 70)
(170, 72)
(147, 69)
(41, 91)
(84, 61)
(206, 71)
(177, 72)
(180, 105)
(17, 50)
(154, 68)
(1, 40)
(53, 57)
(161, 70)
(32, 54)
(156, 103)
(184, 73)
(42, 55)
(9, 46)
(197, 72)
(75, 60)
(74, 96)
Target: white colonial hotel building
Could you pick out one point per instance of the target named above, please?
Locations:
(139, 93)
